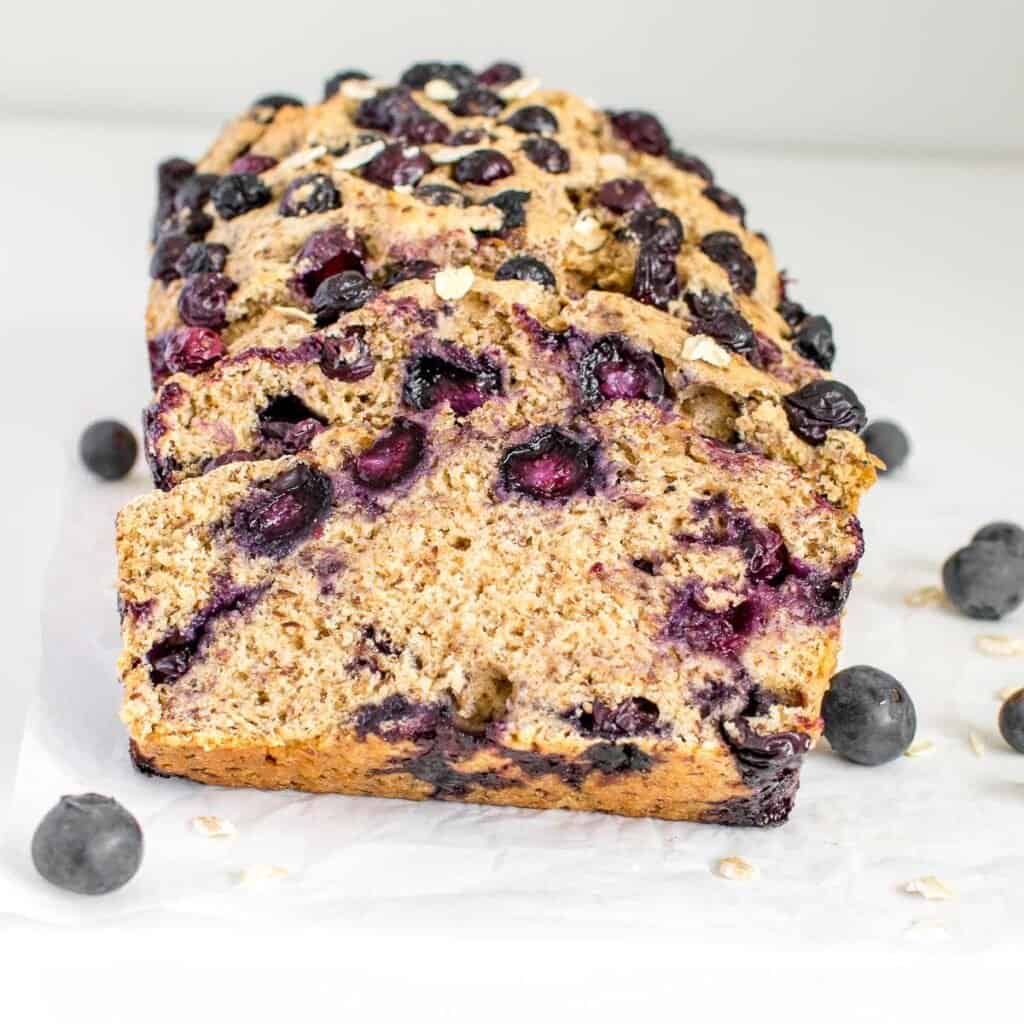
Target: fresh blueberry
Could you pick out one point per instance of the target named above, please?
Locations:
(716, 316)
(869, 716)
(312, 193)
(551, 464)
(398, 164)
(546, 154)
(726, 202)
(1011, 720)
(88, 844)
(236, 194)
(533, 120)
(526, 268)
(345, 355)
(202, 258)
(392, 457)
(691, 164)
(1009, 535)
(641, 130)
(441, 195)
(109, 449)
(612, 368)
(163, 266)
(407, 270)
(394, 111)
(333, 84)
(624, 194)
(282, 511)
(725, 249)
(821, 406)
(656, 226)
(984, 580)
(655, 276)
(342, 293)
(191, 349)
(325, 254)
(481, 167)
(252, 163)
(477, 101)
(512, 203)
(813, 340)
(500, 73)
(204, 299)
(418, 75)
(889, 442)
(431, 380)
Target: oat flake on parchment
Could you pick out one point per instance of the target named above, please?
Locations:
(736, 869)
(258, 874)
(926, 597)
(919, 748)
(999, 645)
(930, 887)
(213, 827)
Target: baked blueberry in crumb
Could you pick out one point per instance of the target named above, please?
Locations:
(546, 154)
(392, 457)
(716, 316)
(643, 131)
(512, 204)
(282, 511)
(312, 193)
(88, 844)
(655, 276)
(526, 268)
(334, 83)
(431, 380)
(395, 111)
(163, 265)
(869, 716)
(551, 464)
(821, 406)
(277, 100)
(1011, 721)
(889, 442)
(691, 164)
(620, 195)
(481, 167)
(630, 717)
(435, 194)
(325, 254)
(417, 76)
(476, 101)
(191, 349)
(203, 301)
(408, 270)
(726, 202)
(236, 194)
(533, 120)
(398, 165)
(813, 340)
(725, 249)
(1009, 535)
(612, 368)
(345, 354)
(656, 226)
(342, 293)
(500, 73)
(723, 632)
(984, 580)
(252, 163)
(202, 258)
(288, 425)
(109, 449)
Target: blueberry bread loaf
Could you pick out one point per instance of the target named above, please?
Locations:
(495, 464)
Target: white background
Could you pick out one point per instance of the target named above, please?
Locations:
(879, 144)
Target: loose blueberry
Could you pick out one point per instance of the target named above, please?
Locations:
(276, 101)
(526, 268)
(612, 369)
(339, 294)
(88, 844)
(202, 258)
(655, 276)
(282, 511)
(191, 349)
(691, 164)
(441, 195)
(312, 193)
(394, 111)
(325, 254)
(418, 75)
(821, 406)
(477, 102)
(533, 120)
(163, 266)
(333, 84)
(869, 716)
(204, 299)
(481, 167)
(889, 442)
(725, 249)
(500, 73)
(656, 226)
(398, 165)
(345, 355)
(236, 194)
(408, 270)
(392, 457)
(551, 464)
(108, 449)
(1011, 721)
(512, 204)
(253, 163)
(624, 194)
(431, 380)
(1009, 535)
(726, 202)
(642, 131)
(546, 154)
(716, 316)
(984, 580)
(813, 340)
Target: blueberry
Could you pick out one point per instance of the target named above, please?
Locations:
(546, 154)
(275, 101)
(1011, 720)
(526, 268)
(821, 406)
(398, 165)
(394, 111)
(204, 299)
(252, 163)
(481, 167)
(726, 202)
(342, 293)
(725, 249)
(195, 192)
(202, 258)
(512, 204)
(613, 369)
(418, 75)
(551, 464)
(624, 194)
(500, 73)
(654, 225)
(326, 253)
(655, 276)
(441, 195)
(691, 164)
(533, 120)
(407, 270)
(1010, 535)
(333, 84)
(282, 511)
(722, 632)
(236, 194)
(431, 380)
(312, 193)
(191, 349)
(477, 102)
(716, 316)
(345, 355)
(792, 312)
(813, 340)
(889, 442)
(288, 425)
(641, 130)
(171, 174)
(88, 844)
(466, 137)
(984, 580)
(392, 457)
(109, 449)
(869, 716)
(163, 266)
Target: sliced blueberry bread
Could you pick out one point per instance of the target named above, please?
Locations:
(498, 464)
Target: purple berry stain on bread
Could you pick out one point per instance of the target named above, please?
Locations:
(551, 464)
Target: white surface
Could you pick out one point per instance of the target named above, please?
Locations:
(918, 266)
(930, 73)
